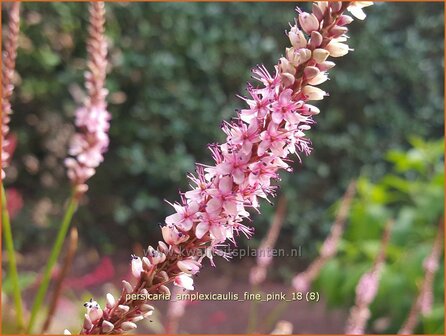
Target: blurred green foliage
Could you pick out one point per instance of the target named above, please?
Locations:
(175, 70)
(412, 194)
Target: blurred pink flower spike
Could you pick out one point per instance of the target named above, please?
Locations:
(92, 120)
(8, 68)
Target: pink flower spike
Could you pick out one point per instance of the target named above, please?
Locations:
(91, 141)
(8, 69)
(246, 165)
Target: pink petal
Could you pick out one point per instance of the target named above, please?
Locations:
(174, 219)
(225, 185)
(277, 117)
(201, 229)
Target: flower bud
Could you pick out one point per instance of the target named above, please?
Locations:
(308, 109)
(87, 322)
(127, 287)
(310, 72)
(184, 281)
(317, 11)
(107, 327)
(162, 247)
(285, 66)
(123, 309)
(344, 20)
(320, 55)
(136, 267)
(144, 292)
(163, 276)
(313, 93)
(337, 49)
(305, 55)
(127, 326)
(335, 6)
(293, 56)
(355, 8)
(146, 264)
(318, 79)
(189, 266)
(95, 313)
(325, 66)
(146, 308)
(337, 31)
(172, 236)
(308, 22)
(297, 38)
(315, 40)
(287, 79)
(164, 290)
(110, 301)
(158, 258)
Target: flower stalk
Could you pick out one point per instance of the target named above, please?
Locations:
(258, 143)
(302, 281)
(12, 264)
(264, 259)
(68, 261)
(54, 254)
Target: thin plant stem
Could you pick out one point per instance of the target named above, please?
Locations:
(40, 296)
(328, 251)
(275, 314)
(68, 261)
(253, 312)
(9, 242)
(259, 271)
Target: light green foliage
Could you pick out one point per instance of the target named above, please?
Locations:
(412, 193)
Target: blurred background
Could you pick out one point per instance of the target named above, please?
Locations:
(175, 70)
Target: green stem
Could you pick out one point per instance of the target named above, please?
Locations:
(40, 296)
(252, 319)
(274, 315)
(9, 242)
